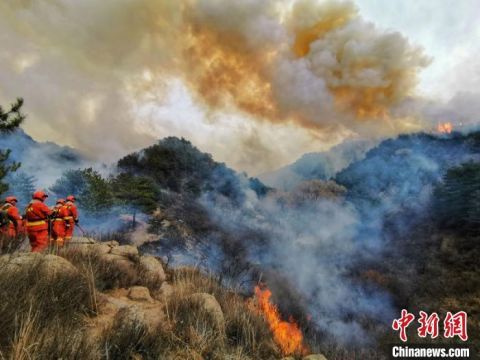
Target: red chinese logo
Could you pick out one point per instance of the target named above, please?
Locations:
(402, 324)
(456, 325)
(453, 325)
(428, 325)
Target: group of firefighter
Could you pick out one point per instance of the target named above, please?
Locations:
(44, 225)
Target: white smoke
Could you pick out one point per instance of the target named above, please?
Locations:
(315, 69)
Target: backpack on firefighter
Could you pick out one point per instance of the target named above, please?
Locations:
(4, 217)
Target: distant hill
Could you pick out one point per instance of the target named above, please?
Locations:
(401, 172)
(317, 166)
(46, 161)
(175, 164)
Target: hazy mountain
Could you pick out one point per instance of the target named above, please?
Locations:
(319, 165)
(46, 161)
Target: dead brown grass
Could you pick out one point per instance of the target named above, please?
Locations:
(47, 318)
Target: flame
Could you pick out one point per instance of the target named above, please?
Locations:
(286, 334)
(445, 128)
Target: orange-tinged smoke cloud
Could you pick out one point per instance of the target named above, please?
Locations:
(222, 70)
(332, 18)
(339, 70)
(314, 65)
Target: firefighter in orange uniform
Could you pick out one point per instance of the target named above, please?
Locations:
(71, 218)
(14, 225)
(37, 214)
(60, 212)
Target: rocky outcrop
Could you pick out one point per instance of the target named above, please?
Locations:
(125, 251)
(151, 271)
(125, 261)
(165, 291)
(47, 265)
(140, 293)
(208, 304)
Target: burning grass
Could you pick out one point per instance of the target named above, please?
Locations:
(287, 334)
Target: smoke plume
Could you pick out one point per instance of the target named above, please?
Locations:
(94, 73)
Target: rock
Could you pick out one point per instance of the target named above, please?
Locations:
(315, 357)
(165, 291)
(125, 250)
(113, 258)
(16, 261)
(48, 265)
(97, 248)
(83, 240)
(101, 248)
(122, 269)
(151, 271)
(139, 293)
(53, 265)
(130, 316)
(210, 305)
(111, 243)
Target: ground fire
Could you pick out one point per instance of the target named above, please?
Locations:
(445, 128)
(287, 334)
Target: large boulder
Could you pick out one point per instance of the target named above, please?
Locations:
(53, 265)
(139, 293)
(130, 317)
(96, 248)
(209, 305)
(82, 240)
(165, 291)
(151, 271)
(125, 251)
(48, 265)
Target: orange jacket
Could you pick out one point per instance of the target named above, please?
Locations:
(60, 211)
(72, 212)
(37, 214)
(15, 220)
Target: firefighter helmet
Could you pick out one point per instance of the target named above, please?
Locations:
(39, 195)
(11, 199)
(61, 201)
(71, 198)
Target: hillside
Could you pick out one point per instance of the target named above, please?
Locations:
(110, 301)
(339, 256)
(321, 165)
(44, 160)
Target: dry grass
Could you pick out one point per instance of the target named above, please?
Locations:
(47, 318)
(104, 274)
(41, 316)
(9, 245)
(245, 335)
(190, 332)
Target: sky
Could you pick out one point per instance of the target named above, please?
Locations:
(255, 83)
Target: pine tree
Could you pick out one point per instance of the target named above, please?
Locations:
(135, 193)
(22, 186)
(457, 198)
(89, 187)
(9, 121)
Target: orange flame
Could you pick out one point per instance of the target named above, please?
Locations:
(445, 128)
(286, 334)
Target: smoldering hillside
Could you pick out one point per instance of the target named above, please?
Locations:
(341, 255)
